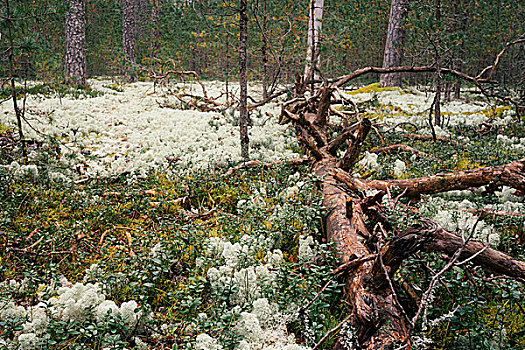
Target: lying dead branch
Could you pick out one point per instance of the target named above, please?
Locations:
(366, 268)
(512, 175)
(430, 138)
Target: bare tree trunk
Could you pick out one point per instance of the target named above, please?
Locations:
(437, 98)
(313, 49)
(155, 32)
(76, 42)
(11, 54)
(264, 51)
(461, 50)
(395, 42)
(129, 34)
(243, 103)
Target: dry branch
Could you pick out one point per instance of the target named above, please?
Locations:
(512, 175)
(376, 315)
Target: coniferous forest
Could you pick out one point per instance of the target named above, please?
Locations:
(262, 175)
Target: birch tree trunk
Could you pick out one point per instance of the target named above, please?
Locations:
(129, 34)
(243, 102)
(395, 42)
(75, 60)
(315, 23)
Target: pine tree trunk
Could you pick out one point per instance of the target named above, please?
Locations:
(395, 42)
(129, 34)
(264, 51)
(243, 103)
(437, 55)
(75, 60)
(155, 32)
(313, 50)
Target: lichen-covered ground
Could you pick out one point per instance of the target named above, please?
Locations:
(108, 244)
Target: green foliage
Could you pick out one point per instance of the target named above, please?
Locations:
(146, 235)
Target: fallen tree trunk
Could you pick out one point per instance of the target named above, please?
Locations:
(512, 175)
(368, 260)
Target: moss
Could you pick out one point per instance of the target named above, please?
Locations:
(4, 129)
(375, 87)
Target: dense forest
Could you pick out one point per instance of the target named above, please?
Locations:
(262, 175)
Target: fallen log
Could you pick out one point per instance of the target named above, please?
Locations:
(376, 317)
(512, 175)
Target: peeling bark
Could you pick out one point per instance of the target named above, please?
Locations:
(376, 316)
(313, 52)
(512, 175)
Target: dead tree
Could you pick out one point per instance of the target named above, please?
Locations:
(354, 222)
(244, 118)
(313, 52)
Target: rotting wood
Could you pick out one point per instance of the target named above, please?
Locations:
(512, 175)
(376, 317)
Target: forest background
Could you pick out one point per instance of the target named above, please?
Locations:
(202, 36)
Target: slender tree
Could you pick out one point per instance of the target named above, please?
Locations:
(129, 34)
(10, 53)
(395, 42)
(243, 103)
(264, 48)
(313, 49)
(75, 64)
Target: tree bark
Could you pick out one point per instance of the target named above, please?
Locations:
(313, 49)
(395, 42)
(512, 175)
(155, 32)
(243, 103)
(264, 50)
(75, 58)
(377, 320)
(11, 59)
(129, 34)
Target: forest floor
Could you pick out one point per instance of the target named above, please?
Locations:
(126, 229)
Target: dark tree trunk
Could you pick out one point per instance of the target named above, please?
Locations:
(264, 51)
(437, 58)
(11, 59)
(395, 42)
(155, 32)
(243, 103)
(75, 64)
(129, 34)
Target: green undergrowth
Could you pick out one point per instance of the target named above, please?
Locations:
(197, 250)
(148, 239)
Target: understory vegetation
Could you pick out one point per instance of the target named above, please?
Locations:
(117, 237)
